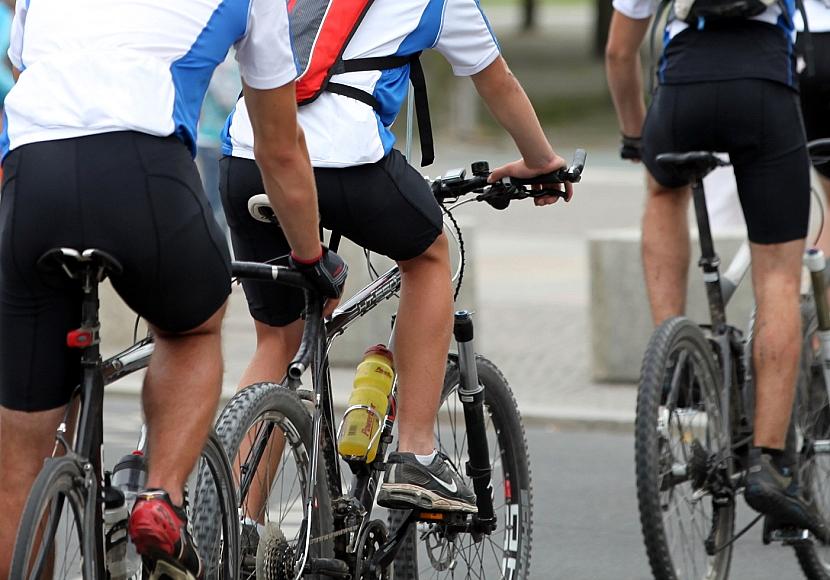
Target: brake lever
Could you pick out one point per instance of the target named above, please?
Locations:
(499, 195)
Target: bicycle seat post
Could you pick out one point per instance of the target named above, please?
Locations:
(709, 261)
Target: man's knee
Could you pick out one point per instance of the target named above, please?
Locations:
(26, 439)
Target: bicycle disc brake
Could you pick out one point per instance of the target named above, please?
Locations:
(440, 549)
(373, 537)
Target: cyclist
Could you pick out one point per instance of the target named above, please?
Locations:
(98, 150)
(814, 88)
(369, 193)
(747, 106)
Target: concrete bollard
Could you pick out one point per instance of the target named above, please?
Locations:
(619, 311)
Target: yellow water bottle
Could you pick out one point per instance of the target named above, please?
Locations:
(372, 385)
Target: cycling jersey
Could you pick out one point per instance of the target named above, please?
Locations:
(760, 47)
(342, 132)
(113, 65)
(818, 16)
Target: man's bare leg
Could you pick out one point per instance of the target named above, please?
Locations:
(181, 393)
(776, 279)
(666, 249)
(26, 439)
(423, 329)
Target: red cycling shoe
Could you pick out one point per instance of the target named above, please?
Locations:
(159, 531)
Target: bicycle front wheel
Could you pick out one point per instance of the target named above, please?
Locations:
(214, 514)
(53, 538)
(681, 453)
(266, 430)
(426, 553)
(811, 419)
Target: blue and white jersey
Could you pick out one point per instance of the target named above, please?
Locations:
(99, 66)
(759, 47)
(342, 132)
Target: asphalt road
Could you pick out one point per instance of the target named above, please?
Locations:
(585, 512)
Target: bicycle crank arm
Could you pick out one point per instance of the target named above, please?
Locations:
(387, 552)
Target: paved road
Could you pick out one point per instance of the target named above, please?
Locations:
(586, 523)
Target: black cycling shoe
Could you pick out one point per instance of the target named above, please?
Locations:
(411, 485)
(772, 491)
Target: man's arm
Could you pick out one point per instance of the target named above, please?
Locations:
(625, 78)
(280, 152)
(511, 107)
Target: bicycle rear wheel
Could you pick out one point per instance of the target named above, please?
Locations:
(59, 512)
(212, 495)
(506, 552)
(811, 419)
(681, 447)
(267, 431)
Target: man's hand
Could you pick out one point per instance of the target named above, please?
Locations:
(327, 273)
(522, 170)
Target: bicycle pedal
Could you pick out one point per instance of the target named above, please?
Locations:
(442, 517)
(789, 536)
(329, 566)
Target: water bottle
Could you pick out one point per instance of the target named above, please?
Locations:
(372, 385)
(116, 515)
(129, 477)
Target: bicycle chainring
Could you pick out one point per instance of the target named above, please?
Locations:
(373, 537)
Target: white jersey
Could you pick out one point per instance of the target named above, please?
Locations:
(99, 66)
(342, 132)
(818, 16)
(640, 9)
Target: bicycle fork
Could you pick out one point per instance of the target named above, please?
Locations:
(471, 395)
(815, 262)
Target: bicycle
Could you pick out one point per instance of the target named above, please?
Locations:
(310, 523)
(62, 525)
(695, 412)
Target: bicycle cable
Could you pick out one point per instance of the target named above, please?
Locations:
(738, 535)
(821, 214)
(461, 250)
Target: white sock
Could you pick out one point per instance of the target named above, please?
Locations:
(426, 459)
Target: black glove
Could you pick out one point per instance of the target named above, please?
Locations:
(327, 273)
(631, 148)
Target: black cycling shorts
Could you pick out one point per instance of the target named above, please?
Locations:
(815, 92)
(386, 207)
(758, 122)
(133, 195)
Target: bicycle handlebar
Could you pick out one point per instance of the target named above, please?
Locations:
(454, 183)
(313, 306)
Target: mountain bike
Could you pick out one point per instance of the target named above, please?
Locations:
(62, 528)
(695, 412)
(282, 439)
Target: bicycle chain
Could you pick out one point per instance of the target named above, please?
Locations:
(332, 535)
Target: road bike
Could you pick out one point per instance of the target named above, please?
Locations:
(695, 412)
(62, 528)
(282, 439)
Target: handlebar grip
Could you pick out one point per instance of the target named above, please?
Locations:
(270, 272)
(578, 162)
(572, 174)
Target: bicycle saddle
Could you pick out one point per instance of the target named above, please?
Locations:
(690, 165)
(73, 262)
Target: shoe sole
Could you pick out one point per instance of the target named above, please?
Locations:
(773, 504)
(407, 496)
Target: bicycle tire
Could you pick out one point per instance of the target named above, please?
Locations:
(214, 513)
(811, 416)
(60, 484)
(264, 403)
(515, 515)
(653, 453)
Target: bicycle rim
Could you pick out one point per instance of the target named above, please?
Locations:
(506, 552)
(53, 528)
(681, 450)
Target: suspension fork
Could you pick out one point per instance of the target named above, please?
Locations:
(471, 394)
(815, 261)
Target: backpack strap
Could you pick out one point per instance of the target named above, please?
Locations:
(419, 84)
